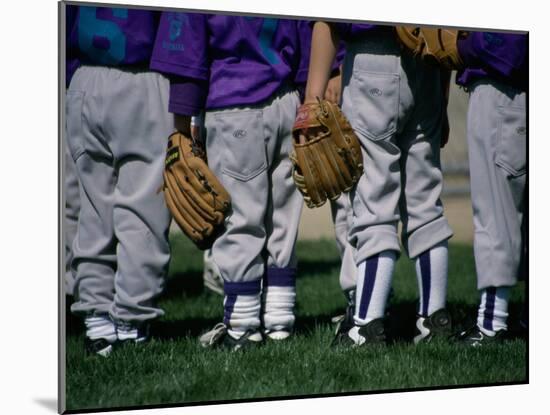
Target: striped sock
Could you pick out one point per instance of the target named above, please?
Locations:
(493, 310)
(431, 273)
(374, 278)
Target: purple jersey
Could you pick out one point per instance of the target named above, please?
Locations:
(109, 36)
(218, 61)
(501, 56)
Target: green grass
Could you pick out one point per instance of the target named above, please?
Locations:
(173, 368)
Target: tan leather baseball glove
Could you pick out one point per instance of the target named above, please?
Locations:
(327, 155)
(194, 195)
(441, 47)
(410, 38)
(435, 46)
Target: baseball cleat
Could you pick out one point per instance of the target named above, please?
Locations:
(211, 275)
(436, 325)
(344, 323)
(101, 346)
(220, 337)
(100, 334)
(132, 332)
(372, 333)
(475, 337)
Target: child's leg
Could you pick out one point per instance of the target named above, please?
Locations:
(374, 101)
(139, 125)
(72, 209)
(341, 217)
(94, 246)
(281, 221)
(431, 273)
(497, 155)
(235, 144)
(425, 229)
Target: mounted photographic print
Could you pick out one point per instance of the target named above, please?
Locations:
(273, 207)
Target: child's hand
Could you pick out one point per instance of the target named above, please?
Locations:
(333, 92)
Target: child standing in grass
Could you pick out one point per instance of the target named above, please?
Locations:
(395, 105)
(117, 122)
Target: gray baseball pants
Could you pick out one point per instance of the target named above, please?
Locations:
(342, 216)
(394, 103)
(497, 145)
(72, 208)
(248, 150)
(118, 123)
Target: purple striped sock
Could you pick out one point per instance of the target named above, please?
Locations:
(368, 285)
(488, 314)
(426, 277)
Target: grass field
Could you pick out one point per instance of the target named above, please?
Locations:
(173, 368)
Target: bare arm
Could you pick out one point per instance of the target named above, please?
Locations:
(324, 45)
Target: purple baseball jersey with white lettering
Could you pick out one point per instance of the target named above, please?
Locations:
(217, 61)
(109, 36)
(501, 56)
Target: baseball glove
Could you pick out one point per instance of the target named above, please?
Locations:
(440, 47)
(327, 155)
(194, 195)
(410, 38)
(435, 46)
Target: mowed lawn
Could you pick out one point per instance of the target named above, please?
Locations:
(174, 369)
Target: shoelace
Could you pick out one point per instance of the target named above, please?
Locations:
(211, 337)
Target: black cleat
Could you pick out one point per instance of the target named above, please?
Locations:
(436, 325)
(344, 323)
(475, 337)
(100, 346)
(219, 337)
(373, 333)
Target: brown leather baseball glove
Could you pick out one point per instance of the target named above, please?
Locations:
(194, 195)
(441, 47)
(435, 46)
(327, 155)
(410, 38)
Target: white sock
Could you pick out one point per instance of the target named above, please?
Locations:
(242, 312)
(431, 273)
(100, 327)
(374, 278)
(279, 308)
(493, 310)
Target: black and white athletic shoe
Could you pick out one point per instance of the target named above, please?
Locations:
(344, 323)
(131, 332)
(475, 337)
(436, 325)
(101, 346)
(372, 333)
(220, 337)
